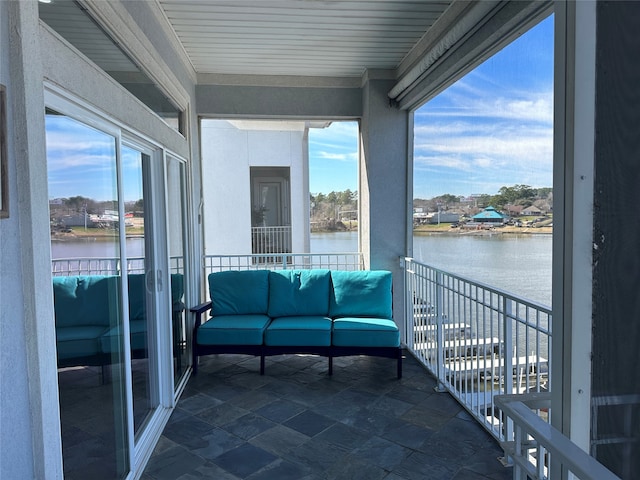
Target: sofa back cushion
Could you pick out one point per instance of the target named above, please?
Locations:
(177, 288)
(137, 296)
(86, 300)
(66, 303)
(363, 293)
(239, 292)
(299, 292)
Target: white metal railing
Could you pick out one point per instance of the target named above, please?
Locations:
(271, 239)
(288, 261)
(477, 340)
(106, 266)
(538, 449)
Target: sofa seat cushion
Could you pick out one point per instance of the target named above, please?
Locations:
(364, 293)
(305, 331)
(79, 341)
(111, 341)
(365, 332)
(299, 293)
(233, 330)
(239, 292)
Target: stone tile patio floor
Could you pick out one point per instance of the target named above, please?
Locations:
(296, 422)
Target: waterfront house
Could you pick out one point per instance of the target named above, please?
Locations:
(141, 75)
(532, 210)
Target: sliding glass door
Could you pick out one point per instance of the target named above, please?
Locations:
(118, 273)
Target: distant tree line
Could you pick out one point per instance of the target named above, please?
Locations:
(329, 209)
(79, 204)
(521, 195)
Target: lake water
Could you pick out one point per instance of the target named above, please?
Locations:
(519, 264)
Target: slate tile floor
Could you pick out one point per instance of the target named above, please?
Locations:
(297, 423)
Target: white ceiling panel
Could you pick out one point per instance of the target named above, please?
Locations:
(299, 37)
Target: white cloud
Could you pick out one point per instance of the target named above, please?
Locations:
(350, 157)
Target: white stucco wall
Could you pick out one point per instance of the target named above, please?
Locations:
(15, 455)
(229, 150)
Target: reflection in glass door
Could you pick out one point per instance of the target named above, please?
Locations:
(176, 239)
(88, 298)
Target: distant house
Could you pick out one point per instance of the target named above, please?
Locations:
(444, 217)
(489, 215)
(532, 211)
(513, 210)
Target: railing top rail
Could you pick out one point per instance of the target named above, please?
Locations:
(519, 409)
(524, 301)
(248, 255)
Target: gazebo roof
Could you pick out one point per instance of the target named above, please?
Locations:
(489, 213)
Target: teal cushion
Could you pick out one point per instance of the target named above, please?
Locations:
(362, 293)
(299, 331)
(239, 292)
(365, 332)
(79, 341)
(66, 303)
(233, 330)
(177, 288)
(100, 300)
(137, 296)
(299, 292)
(111, 340)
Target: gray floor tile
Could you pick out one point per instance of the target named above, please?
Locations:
(298, 423)
(309, 423)
(245, 460)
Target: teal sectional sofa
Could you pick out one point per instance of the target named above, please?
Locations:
(87, 318)
(316, 311)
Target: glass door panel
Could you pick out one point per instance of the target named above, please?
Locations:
(88, 298)
(176, 234)
(138, 223)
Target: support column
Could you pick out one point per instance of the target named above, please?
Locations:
(383, 189)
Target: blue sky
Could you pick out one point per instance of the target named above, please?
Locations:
(333, 158)
(492, 128)
(81, 161)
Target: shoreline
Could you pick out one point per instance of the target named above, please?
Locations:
(507, 230)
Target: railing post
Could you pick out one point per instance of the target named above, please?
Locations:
(408, 304)
(508, 354)
(439, 299)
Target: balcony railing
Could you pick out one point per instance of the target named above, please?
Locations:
(106, 266)
(289, 261)
(271, 239)
(477, 340)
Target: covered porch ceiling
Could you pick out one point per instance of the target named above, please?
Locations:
(302, 37)
(344, 42)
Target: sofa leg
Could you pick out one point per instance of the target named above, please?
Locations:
(399, 364)
(262, 364)
(330, 365)
(194, 363)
